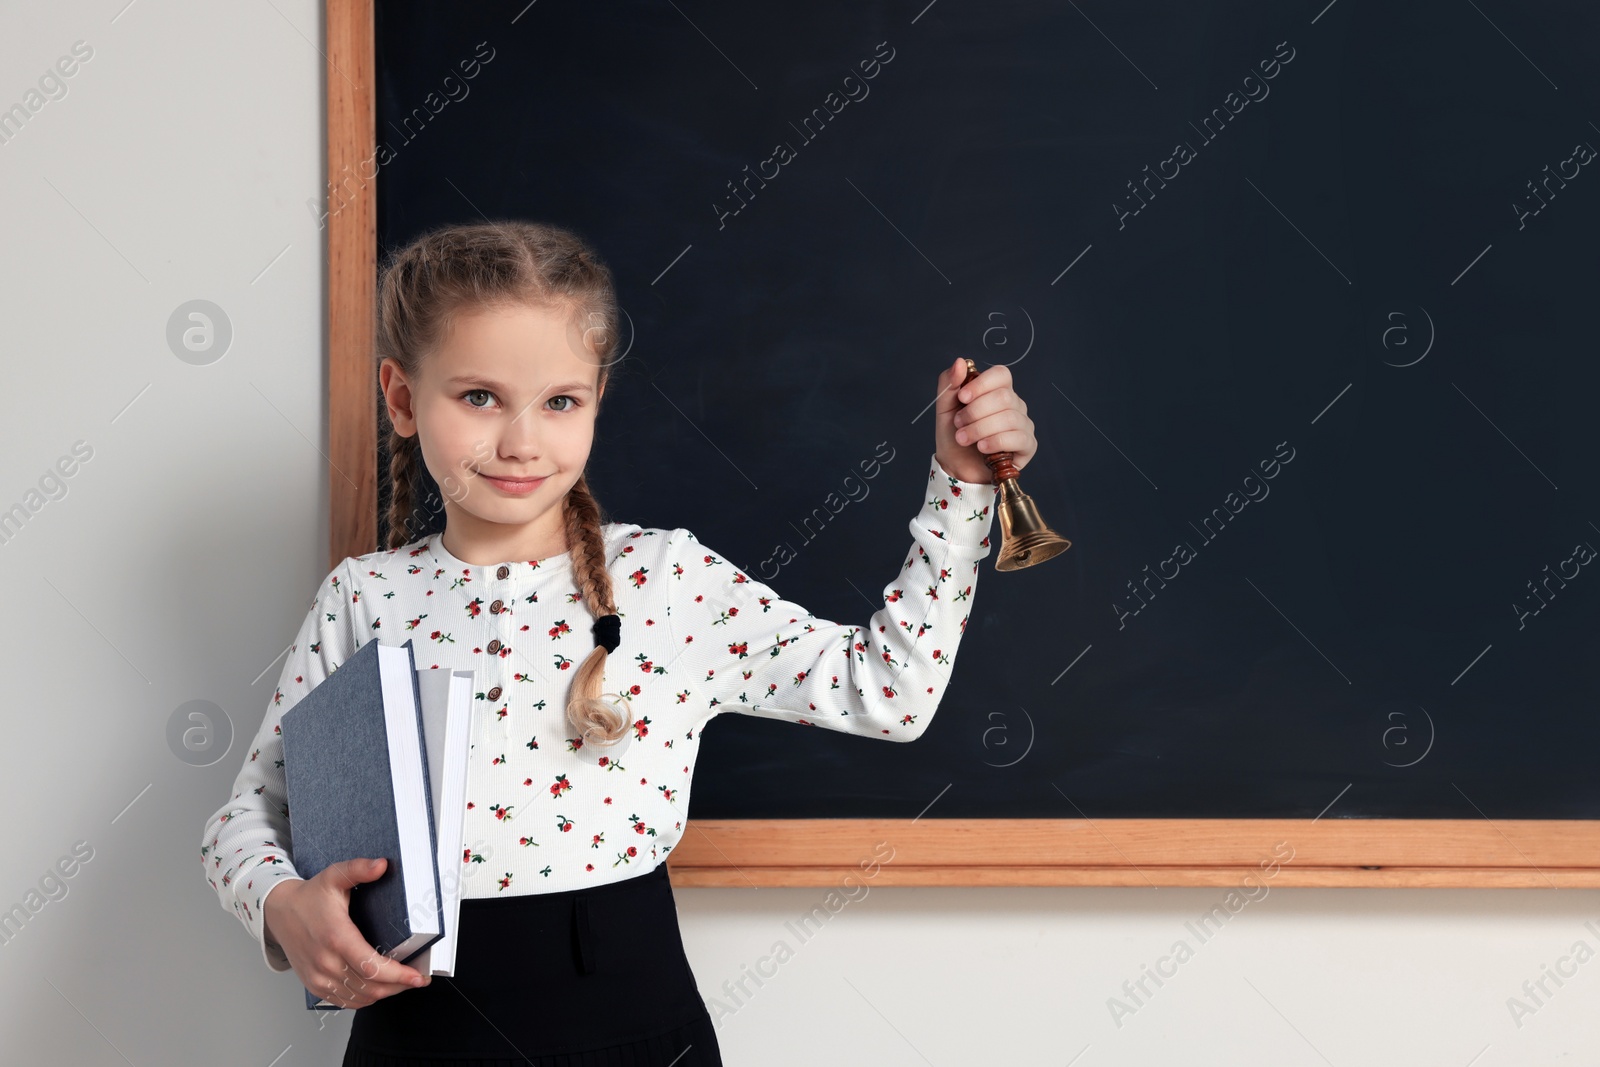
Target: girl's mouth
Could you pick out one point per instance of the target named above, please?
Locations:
(514, 486)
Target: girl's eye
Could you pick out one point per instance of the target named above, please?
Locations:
(475, 392)
(565, 397)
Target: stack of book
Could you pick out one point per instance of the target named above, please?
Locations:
(375, 763)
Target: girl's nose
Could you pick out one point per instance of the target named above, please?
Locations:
(520, 443)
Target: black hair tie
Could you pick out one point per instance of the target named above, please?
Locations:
(608, 632)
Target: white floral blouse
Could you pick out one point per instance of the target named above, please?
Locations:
(699, 637)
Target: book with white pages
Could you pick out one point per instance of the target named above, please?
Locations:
(357, 783)
(448, 725)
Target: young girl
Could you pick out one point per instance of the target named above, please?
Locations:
(600, 649)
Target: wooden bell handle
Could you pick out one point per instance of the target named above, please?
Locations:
(999, 462)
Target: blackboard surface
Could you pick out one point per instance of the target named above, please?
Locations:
(1350, 246)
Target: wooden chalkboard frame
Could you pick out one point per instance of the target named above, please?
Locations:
(1427, 853)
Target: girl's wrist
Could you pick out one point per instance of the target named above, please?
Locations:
(964, 470)
(284, 886)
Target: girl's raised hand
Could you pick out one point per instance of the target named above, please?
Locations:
(984, 415)
(310, 921)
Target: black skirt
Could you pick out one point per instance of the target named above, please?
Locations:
(580, 978)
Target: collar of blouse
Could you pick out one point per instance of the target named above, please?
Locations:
(512, 570)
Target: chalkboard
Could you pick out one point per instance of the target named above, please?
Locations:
(1299, 298)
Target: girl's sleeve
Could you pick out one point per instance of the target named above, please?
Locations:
(744, 648)
(246, 847)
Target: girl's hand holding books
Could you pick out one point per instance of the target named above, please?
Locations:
(310, 921)
(977, 418)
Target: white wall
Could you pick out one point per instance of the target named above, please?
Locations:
(177, 167)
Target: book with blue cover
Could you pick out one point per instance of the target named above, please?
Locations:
(355, 760)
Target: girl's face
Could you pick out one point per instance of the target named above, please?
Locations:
(510, 393)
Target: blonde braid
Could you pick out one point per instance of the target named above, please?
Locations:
(598, 722)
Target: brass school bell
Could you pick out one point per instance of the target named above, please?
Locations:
(1025, 539)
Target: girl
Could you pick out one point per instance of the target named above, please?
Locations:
(600, 651)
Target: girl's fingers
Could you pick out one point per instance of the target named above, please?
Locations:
(993, 378)
(364, 964)
(989, 403)
(352, 990)
(1005, 441)
(1007, 419)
